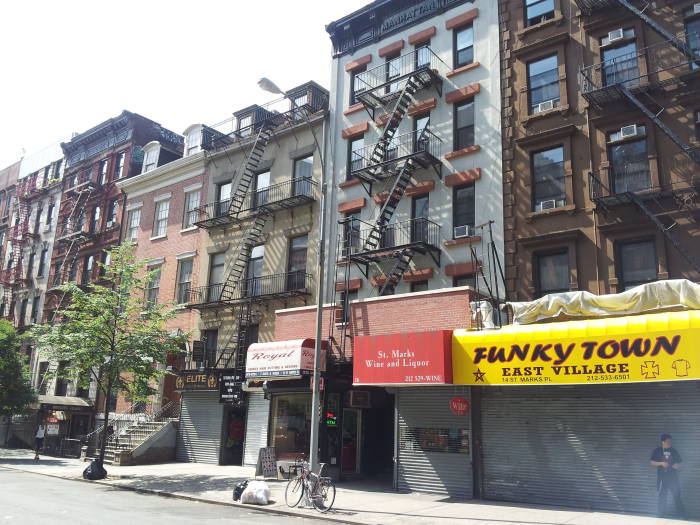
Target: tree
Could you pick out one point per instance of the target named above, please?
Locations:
(112, 333)
(16, 392)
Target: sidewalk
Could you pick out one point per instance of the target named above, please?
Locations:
(355, 503)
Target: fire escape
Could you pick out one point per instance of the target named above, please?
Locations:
(386, 92)
(73, 229)
(671, 66)
(247, 211)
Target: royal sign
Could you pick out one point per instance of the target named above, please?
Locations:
(282, 359)
(652, 347)
(419, 358)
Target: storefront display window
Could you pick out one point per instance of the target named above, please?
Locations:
(291, 425)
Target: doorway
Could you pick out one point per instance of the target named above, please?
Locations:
(234, 435)
(352, 445)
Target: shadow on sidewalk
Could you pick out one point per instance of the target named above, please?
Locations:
(45, 460)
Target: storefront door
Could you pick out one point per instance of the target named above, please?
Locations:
(234, 436)
(352, 444)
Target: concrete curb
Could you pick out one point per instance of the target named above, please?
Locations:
(315, 516)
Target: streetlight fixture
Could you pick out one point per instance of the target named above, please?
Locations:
(268, 85)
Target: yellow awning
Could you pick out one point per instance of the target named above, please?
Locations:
(651, 347)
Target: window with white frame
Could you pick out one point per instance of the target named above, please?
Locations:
(132, 230)
(150, 161)
(119, 169)
(190, 216)
(193, 141)
(184, 280)
(153, 286)
(160, 220)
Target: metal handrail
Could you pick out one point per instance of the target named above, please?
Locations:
(393, 71)
(251, 288)
(618, 71)
(400, 147)
(303, 187)
(395, 235)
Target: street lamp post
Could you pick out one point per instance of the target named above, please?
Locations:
(269, 86)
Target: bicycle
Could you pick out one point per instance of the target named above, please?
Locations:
(318, 489)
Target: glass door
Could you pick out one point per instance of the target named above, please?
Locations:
(352, 442)
(255, 268)
(262, 189)
(223, 199)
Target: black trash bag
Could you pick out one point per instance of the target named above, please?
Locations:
(94, 471)
(238, 490)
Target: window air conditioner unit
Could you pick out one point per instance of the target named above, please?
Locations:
(461, 231)
(546, 205)
(628, 131)
(617, 34)
(696, 8)
(545, 106)
(110, 224)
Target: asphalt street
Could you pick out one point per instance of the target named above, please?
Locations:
(35, 499)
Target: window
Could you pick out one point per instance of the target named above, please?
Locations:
(30, 265)
(56, 274)
(537, 11)
(191, 204)
(3, 306)
(104, 166)
(112, 212)
(88, 264)
(95, 220)
(548, 186)
(132, 230)
(192, 142)
(153, 286)
(49, 213)
(160, 220)
(463, 210)
(61, 379)
(119, 169)
(216, 276)
(464, 125)
(393, 71)
(464, 280)
(420, 139)
(419, 225)
(262, 192)
(254, 283)
(620, 65)
(34, 316)
(423, 55)
(106, 258)
(463, 51)
(358, 84)
(223, 198)
(42, 262)
(351, 233)
(244, 125)
(419, 286)
(37, 220)
(692, 31)
(46, 176)
(23, 311)
(150, 161)
(636, 263)
(355, 155)
(57, 169)
(184, 280)
(73, 271)
(552, 273)
(42, 379)
(80, 220)
(303, 173)
(629, 162)
(210, 338)
(296, 266)
(291, 419)
(543, 84)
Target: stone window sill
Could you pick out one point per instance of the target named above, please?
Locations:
(354, 108)
(156, 237)
(558, 19)
(569, 208)
(559, 110)
(188, 229)
(462, 152)
(349, 183)
(462, 69)
(463, 240)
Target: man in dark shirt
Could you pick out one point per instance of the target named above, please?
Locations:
(668, 461)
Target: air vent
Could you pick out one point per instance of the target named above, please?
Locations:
(617, 34)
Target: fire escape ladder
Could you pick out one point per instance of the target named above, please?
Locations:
(692, 152)
(389, 207)
(667, 35)
(666, 231)
(403, 262)
(70, 223)
(395, 117)
(251, 165)
(236, 334)
(242, 252)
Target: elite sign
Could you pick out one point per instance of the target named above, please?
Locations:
(652, 347)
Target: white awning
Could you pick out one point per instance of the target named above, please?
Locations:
(282, 359)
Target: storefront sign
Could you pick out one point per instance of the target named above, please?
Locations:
(282, 359)
(52, 429)
(414, 13)
(230, 388)
(459, 406)
(403, 359)
(196, 381)
(652, 347)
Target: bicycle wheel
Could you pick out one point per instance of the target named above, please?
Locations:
(325, 495)
(294, 491)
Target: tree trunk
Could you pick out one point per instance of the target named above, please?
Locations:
(105, 428)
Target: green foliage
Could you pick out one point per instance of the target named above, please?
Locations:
(109, 331)
(16, 392)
